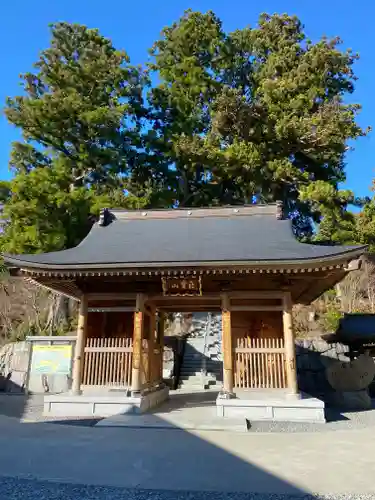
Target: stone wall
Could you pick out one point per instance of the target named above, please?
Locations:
(14, 360)
(313, 357)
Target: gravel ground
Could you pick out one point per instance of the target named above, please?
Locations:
(336, 421)
(31, 489)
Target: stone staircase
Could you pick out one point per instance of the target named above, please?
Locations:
(202, 363)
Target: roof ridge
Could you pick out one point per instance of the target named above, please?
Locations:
(275, 209)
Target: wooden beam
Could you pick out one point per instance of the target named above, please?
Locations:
(188, 298)
(80, 346)
(111, 309)
(111, 296)
(50, 288)
(290, 348)
(266, 350)
(108, 349)
(189, 308)
(257, 308)
(261, 294)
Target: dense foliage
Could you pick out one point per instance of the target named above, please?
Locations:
(81, 118)
(258, 114)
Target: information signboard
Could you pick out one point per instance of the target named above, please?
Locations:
(51, 359)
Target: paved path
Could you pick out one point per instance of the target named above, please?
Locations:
(339, 462)
(155, 463)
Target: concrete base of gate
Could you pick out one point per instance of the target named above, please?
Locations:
(271, 405)
(101, 404)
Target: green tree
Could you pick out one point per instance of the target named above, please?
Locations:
(5, 191)
(258, 113)
(81, 117)
(365, 223)
(337, 223)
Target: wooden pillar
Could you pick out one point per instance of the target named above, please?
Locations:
(290, 348)
(80, 346)
(152, 376)
(161, 327)
(137, 344)
(227, 346)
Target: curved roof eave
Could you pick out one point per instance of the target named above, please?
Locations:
(348, 254)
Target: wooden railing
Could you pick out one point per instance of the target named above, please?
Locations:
(108, 362)
(259, 364)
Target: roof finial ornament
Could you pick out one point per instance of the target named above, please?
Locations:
(104, 217)
(279, 210)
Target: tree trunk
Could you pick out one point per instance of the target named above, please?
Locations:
(58, 316)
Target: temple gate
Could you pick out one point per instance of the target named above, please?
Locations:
(136, 266)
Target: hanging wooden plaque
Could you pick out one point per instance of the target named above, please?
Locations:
(182, 286)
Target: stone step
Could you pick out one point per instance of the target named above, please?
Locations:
(202, 347)
(192, 379)
(207, 355)
(196, 387)
(206, 366)
(192, 387)
(188, 373)
(202, 366)
(208, 361)
(198, 380)
(192, 373)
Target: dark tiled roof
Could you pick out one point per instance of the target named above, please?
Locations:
(242, 235)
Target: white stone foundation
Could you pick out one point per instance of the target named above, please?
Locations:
(271, 405)
(101, 404)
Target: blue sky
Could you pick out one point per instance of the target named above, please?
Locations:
(134, 25)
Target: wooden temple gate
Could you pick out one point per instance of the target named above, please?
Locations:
(123, 344)
(134, 266)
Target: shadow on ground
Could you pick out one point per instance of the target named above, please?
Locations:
(154, 464)
(14, 404)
